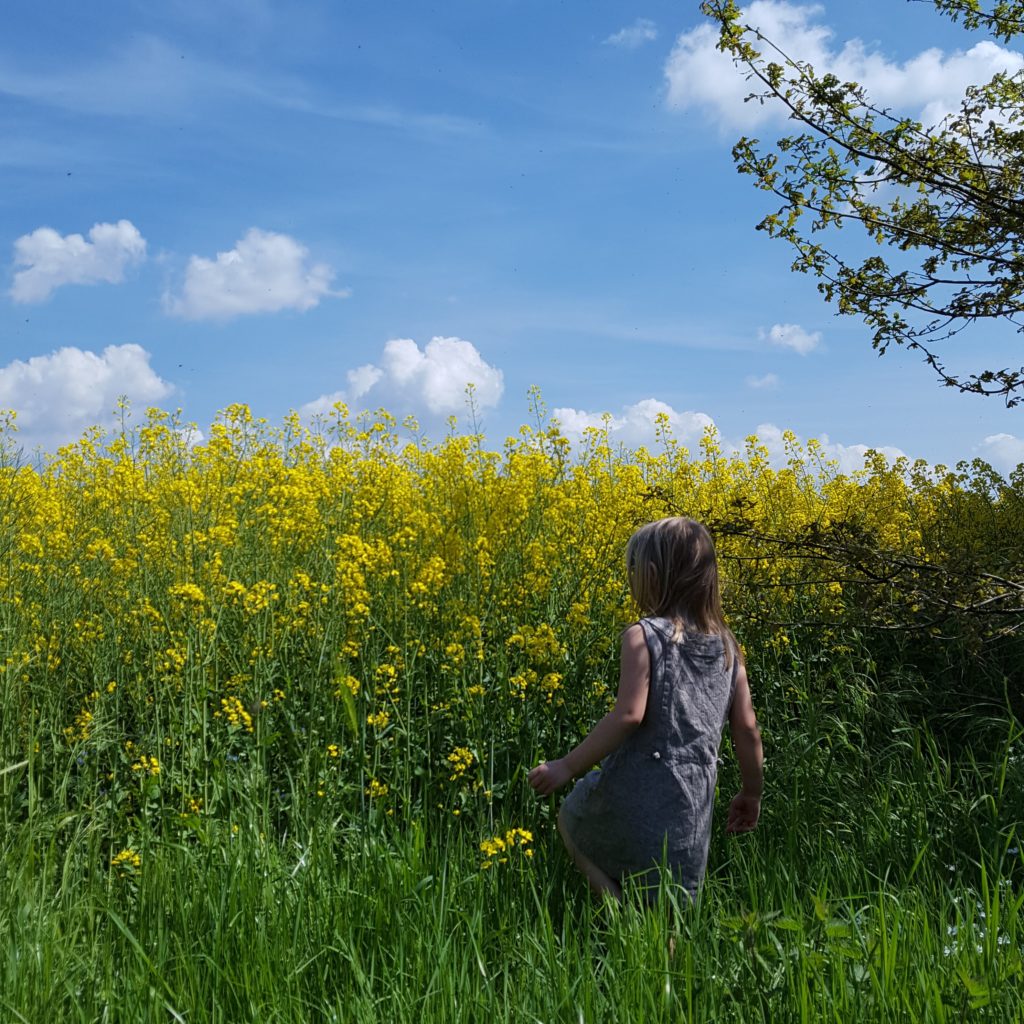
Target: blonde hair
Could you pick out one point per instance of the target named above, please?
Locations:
(673, 573)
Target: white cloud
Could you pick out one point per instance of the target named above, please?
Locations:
(849, 457)
(362, 378)
(791, 336)
(410, 379)
(643, 30)
(58, 396)
(636, 424)
(264, 273)
(930, 84)
(1003, 452)
(769, 382)
(440, 373)
(50, 259)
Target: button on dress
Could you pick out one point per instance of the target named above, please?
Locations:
(651, 801)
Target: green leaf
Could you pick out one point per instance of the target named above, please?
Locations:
(788, 924)
(820, 908)
(348, 702)
(976, 989)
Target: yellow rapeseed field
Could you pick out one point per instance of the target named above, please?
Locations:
(399, 627)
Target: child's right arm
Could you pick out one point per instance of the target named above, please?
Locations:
(612, 730)
(746, 738)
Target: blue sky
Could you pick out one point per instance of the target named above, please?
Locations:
(291, 204)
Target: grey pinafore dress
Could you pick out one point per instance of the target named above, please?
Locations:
(652, 799)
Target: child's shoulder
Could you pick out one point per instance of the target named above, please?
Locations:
(658, 623)
(678, 630)
(704, 647)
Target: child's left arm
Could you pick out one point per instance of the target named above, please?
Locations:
(609, 733)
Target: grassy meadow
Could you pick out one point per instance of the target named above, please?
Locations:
(268, 701)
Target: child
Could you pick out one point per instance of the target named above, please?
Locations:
(681, 676)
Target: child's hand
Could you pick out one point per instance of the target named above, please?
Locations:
(743, 813)
(549, 776)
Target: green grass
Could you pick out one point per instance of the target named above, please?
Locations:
(881, 891)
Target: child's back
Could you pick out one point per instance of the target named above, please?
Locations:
(652, 801)
(653, 798)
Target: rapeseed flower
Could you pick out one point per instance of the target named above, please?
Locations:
(498, 848)
(443, 606)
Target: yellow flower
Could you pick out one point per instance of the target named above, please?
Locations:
(496, 848)
(460, 760)
(188, 592)
(350, 683)
(259, 597)
(236, 713)
(147, 765)
(126, 859)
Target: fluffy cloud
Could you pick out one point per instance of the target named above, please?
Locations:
(930, 84)
(643, 30)
(50, 260)
(1003, 452)
(769, 382)
(264, 273)
(849, 457)
(57, 396)
(410, 379)
(361, 379)
(791, 336)
(636, 425)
